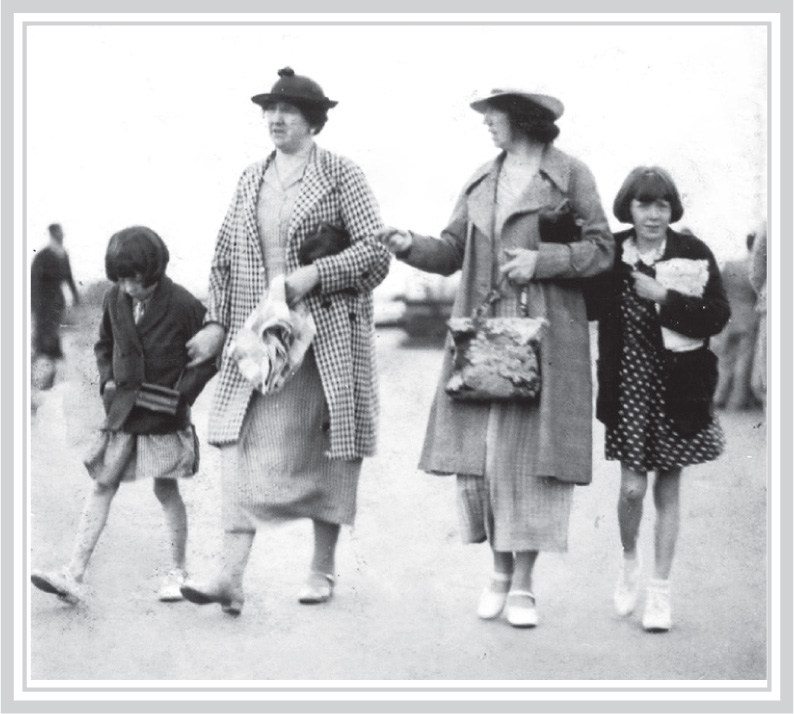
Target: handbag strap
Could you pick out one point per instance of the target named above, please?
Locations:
(179, 379)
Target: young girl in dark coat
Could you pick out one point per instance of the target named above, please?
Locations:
(656, 375)
(146, 321)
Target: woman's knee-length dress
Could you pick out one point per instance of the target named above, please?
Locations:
(510, 506)
(278, 469)
(644, 438)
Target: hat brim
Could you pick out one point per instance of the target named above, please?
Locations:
(262, 99)
(554, 105)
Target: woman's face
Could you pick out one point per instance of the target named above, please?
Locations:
(289, 130)
(498, 123)
(651, 218)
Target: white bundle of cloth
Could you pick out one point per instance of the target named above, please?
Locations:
(271, 344)
(688, 277)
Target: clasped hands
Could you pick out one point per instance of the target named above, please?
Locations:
(207, 343)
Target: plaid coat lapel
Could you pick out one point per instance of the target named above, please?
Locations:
(250, 196)
(315, 186)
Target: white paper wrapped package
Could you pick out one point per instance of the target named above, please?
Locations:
(688, 277)
(271, 344)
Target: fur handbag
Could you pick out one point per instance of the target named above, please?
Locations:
(495, 358)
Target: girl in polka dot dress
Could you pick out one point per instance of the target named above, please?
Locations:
(656, 374)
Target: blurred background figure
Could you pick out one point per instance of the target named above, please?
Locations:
(736, 344)
(758, 281)
(49, 271)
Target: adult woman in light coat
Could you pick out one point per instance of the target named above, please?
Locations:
(516, 464)
(296, 453)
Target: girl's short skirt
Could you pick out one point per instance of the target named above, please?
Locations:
(115, 456)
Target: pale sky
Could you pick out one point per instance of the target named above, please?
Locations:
(153, 124)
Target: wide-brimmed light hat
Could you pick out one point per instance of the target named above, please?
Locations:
(552, 104)
(296, 88)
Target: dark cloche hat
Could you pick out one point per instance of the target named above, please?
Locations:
(296, 88)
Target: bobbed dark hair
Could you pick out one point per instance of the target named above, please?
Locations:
(527, 117)
(316, 116)
(647, 183)
(136, 250)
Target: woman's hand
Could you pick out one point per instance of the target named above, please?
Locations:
(646, 287)
(394, 239)
(108, 394)
(520, 268)
(300, 283)
(206, 344)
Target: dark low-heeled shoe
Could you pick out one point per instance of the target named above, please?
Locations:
(230, 599)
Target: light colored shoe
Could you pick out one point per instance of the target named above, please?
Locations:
(170, 587)
(520, 609)
(318, 588)
(61, 583)
(658, 614)
(492, 601)
(627, 590)
(230, 598)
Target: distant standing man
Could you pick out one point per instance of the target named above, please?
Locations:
(736, 344)
(49, 271)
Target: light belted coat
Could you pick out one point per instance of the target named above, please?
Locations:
(333, 190)
(562, 437)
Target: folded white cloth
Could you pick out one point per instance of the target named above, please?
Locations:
(272, 342)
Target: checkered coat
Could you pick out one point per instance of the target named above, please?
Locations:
(333, 190)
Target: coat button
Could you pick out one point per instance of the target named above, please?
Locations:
(326, 302)
(352, 317)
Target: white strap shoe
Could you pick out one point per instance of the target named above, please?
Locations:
(492, 602)
(520, 609)
(170, 587)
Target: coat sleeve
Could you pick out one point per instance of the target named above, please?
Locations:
(594, 253)
(219, 297)
(443, 255)
(195, 379)
(103, 349)
(365, 264)
(698, 317)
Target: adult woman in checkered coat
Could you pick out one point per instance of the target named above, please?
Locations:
(296, 453)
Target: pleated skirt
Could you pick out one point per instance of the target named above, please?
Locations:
(114, 456)
(278, 469)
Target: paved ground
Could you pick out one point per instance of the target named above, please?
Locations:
(407, 588)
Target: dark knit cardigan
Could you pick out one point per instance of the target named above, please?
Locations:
(690, 376)
(152, 351)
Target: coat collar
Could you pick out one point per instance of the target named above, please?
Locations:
(555, 169)
(316, 184)
(672, 248)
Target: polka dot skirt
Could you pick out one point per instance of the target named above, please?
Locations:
(644, 438)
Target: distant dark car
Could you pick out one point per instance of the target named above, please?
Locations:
(428, 304)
